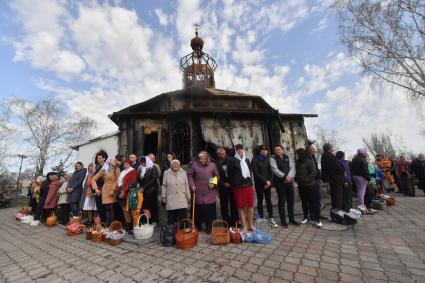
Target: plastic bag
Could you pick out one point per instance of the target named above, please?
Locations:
(262, 224)
(261, 237)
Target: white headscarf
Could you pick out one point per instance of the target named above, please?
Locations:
(246, 173)
(122, 175)
(105, 167)
(149, 165)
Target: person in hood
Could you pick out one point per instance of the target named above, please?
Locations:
(199, 175)
(361, 176)
(242, 186)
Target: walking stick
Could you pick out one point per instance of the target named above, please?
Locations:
(193, 208)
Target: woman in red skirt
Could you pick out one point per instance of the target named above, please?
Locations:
(242, 186)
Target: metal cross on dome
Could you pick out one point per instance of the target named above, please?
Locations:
(196, 25)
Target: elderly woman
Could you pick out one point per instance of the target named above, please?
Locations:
(175, 193)
(109, 174)
(75, 187)
(63, 204)
(242, 186)
(52, 195)
(199, 175)
(148, 176)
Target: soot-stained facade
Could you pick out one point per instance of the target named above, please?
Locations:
(201, 117)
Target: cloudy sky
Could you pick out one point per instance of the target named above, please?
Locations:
(101, 56)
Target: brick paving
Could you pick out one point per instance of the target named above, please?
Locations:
(386, 247)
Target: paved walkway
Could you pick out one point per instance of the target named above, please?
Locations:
(387, 247)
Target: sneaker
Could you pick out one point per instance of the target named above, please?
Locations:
(304, 221)
(318, 224)
(361, 207)
(273, 223)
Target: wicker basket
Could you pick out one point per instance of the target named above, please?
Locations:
(235, 235)
(220, 232)
(51, 220)
(115, 227)
(187, 238)
(98, 233)
(73, 229)
(143, 231)
(24, 210)
(75, 219)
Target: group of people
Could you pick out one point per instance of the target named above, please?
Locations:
(122, 189)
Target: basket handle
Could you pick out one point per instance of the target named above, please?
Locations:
(224, 222)
(186, 220)
(147, 219)
(71, 215)
(53, 214)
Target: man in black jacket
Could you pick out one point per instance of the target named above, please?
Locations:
(283, 169)
(225, 189)
(263, 182)
(333, 173)
(418, 168)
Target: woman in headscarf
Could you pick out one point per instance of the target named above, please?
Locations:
(242, 186)
(360, 169)
(175, 193)
(109, 173)
(52, 195)
(63, 204)
(87, 201)
(148, 176)
(75, 187)
(199, 175)
(127, 176)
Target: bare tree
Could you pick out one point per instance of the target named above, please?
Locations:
(48, 130)
(387, 38)
(326, 136)
(385, 144)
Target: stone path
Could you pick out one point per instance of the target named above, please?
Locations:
(387, 247)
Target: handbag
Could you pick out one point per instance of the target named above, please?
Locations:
(167, 238)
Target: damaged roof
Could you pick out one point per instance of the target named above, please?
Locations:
(199, 99)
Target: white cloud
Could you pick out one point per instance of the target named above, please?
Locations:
(44, 43)
(358, 112)
(322, 25)
(163, 18)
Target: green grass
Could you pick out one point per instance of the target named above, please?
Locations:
(18, 203)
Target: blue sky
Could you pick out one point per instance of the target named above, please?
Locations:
(97, 57)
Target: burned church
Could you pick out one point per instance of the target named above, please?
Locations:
(201, 117)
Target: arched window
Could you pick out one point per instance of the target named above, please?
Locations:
(181, 142)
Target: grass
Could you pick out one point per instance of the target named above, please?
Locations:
(18, 203)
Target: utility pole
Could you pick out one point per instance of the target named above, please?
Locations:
(21, 156)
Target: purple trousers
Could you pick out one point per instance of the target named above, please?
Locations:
(361, 184)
